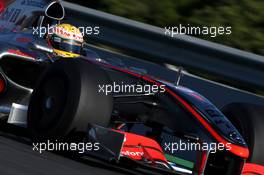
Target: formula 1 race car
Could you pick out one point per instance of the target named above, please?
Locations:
(136, 119)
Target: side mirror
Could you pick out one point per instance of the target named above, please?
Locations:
(55, 11)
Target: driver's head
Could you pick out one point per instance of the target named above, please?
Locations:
(66, 40)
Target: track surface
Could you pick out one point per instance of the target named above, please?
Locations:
(19, 159)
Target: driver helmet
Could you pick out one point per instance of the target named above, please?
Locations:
(66, 40)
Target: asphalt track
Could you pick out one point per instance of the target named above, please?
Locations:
(17, 158)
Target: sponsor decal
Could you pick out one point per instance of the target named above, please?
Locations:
(132, 153)
(33, 3)
(10, 15)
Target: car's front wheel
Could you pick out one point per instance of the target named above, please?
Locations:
(249, 120)
(66, 99)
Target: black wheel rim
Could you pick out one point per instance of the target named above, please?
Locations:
(49, 104)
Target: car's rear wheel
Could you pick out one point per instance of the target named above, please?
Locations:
(67, 98)
(249, 120)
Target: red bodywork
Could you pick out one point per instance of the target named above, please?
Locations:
(253, 169)
(1, 7)
(21, 54)
(139, 147)
(2, 83)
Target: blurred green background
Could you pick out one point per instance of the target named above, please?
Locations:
(246, 17)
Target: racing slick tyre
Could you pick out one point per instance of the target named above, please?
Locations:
(249, 120)
(66, 98)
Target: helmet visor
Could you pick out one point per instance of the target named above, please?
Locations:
(66, 45)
